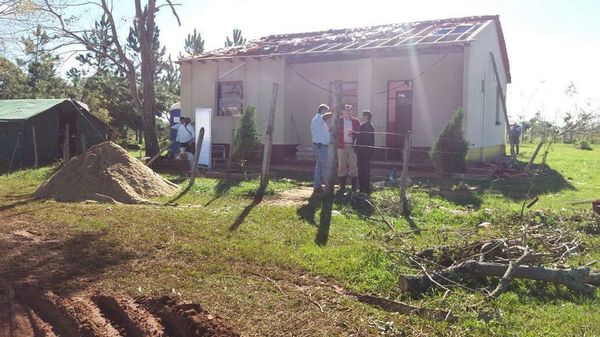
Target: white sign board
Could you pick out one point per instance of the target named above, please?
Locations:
(203, 120)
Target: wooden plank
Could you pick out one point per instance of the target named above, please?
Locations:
(327, 205)
(403, 180)
(501, 92)
(66, 150)
(35, 149)
(264, 176)
(535, 153)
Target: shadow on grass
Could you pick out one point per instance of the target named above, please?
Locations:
(514, 187)
(222, 187)
(307, 211)
(240, 219)
(18, 202)
(60, 263)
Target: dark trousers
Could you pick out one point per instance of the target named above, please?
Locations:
(364, 173)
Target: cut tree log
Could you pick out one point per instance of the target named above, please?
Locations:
(579, 280)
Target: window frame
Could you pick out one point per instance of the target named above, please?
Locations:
(218, 98)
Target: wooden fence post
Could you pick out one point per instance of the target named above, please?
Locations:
(83, 143)
(325, 221)
(66, 150)
(404, 178)
(264, 176)
(35, 149)
(535, 153)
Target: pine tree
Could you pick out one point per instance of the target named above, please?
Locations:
(449, 151)
(194, 44)
(237, 40)
(246, 142)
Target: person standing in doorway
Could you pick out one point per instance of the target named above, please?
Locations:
(185, 138)
(365, 140)
(349, 125)
(320, 140)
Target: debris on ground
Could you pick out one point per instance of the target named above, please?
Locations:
(29, 312)
(105, 173)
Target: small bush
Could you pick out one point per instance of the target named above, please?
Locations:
(584, 145)
(449, 151)
(246, 143)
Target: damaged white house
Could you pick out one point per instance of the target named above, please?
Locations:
(412, 76)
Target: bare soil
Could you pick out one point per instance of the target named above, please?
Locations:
(26, 311)
(105, 173)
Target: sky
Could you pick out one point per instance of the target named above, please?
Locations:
(550, 43)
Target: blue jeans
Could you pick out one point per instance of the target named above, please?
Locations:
(320, 153)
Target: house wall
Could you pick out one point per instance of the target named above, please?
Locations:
(199, 82)
(485, 135)
(437, 93)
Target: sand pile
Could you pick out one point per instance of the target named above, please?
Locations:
(105, 173)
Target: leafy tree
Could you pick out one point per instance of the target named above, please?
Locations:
(194, 44)
(40, 66)
(246, 142)
(449, 151)
(139, 73)
(237, 40)
(12, 80)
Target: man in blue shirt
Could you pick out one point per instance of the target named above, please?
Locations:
(320, 141)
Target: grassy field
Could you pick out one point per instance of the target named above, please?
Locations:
(218, 247)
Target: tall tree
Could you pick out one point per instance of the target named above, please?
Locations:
(139, 79)
(40, 66)
(237, 39)
(193, 44)
(12, 80)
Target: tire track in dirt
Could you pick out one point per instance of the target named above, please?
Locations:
(26, 311)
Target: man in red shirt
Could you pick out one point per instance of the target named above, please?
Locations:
(348, 129)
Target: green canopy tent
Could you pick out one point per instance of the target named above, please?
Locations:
(20, 119)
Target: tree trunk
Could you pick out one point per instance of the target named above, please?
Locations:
(579, 280)
(146, 28)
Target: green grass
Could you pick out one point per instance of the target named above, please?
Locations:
(205, 246)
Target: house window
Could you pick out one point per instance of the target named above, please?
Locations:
(230, 98)
(349, 95)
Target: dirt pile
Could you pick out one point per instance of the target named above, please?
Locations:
(26, 312)
(106, 173)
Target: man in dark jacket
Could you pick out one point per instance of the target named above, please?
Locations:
(365, 140)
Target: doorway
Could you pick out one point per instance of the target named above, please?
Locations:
(399, 117)
(67, 118)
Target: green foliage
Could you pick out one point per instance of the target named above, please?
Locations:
(246, 142)
(12, 80)
(40, 66)
(450, 148)
(584, 145)
(194, 44)
(237, 40)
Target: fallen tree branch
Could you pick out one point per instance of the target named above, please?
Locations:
(268, 279)
(402, 308)
(508, 275)
(580, 280)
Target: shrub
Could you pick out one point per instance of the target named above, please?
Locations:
(449, 151)
(584, 145)
(246, 142)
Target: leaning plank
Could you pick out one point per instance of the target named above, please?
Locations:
(580, 280)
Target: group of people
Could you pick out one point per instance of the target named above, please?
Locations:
(355, 141)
